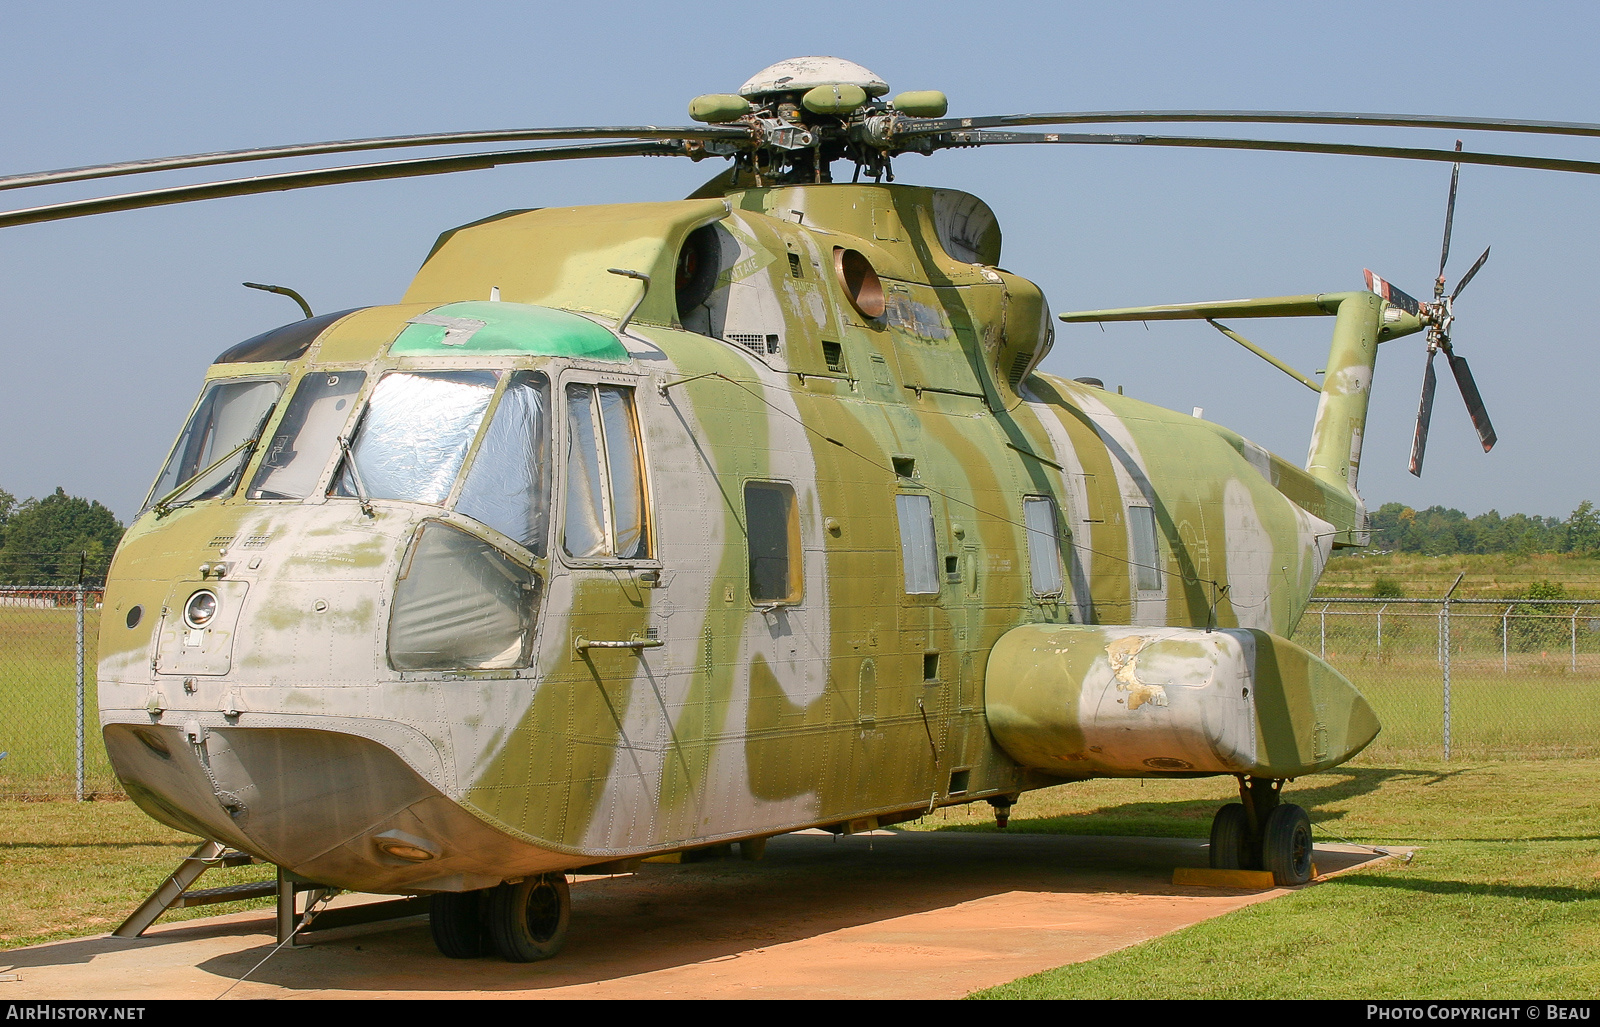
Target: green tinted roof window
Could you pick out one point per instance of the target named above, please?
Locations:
(487, 327)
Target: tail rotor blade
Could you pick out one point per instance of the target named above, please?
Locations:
(1468, 276)
(1475, 407)
(1419, 441)
(1392, 293)
(1449, 218)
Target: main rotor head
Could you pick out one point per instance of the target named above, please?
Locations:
(804, 113)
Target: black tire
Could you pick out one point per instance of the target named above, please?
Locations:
(1231, 848)
(1286, 845)
(456, 919)
(528, 920)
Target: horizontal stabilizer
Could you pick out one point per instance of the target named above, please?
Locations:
(1317, 305)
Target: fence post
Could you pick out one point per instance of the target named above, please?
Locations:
(1575, 640)
(1505, 641)
(1444, 623)
(1324, 616)
(80, 678)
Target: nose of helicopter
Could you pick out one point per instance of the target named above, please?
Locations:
(331, 807)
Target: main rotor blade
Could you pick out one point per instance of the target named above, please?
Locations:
(198, 160)
(1449, 219)
(1469, 392)
(1506, 160)
(1419, 441)
(1470, 272)
(334, 176)
(935, 125)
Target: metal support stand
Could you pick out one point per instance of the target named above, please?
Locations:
(175, 893)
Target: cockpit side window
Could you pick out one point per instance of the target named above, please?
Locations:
(230, 415)
(605, 497)
(415, 434)
(299, 450)
(508, 486)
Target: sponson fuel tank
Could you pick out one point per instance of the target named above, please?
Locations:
(1119, 700)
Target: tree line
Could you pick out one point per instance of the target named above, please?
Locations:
(57, 540)
(1440, 531)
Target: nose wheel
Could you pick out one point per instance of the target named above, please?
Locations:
(1261, 833)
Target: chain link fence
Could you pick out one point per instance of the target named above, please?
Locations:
(50, 735)
(1468, 678)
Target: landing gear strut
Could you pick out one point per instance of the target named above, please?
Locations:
(1261, 833)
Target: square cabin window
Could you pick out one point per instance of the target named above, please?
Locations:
(772, 529)
(1146, 548)
(1044, 548)
(918, 551)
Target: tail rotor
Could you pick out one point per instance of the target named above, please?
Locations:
(1439, 316)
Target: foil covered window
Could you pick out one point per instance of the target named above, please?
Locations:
(415, 434)
(305, 439)
(460, 604)
(508, 486)
(1044, 548)
(605, 498)
(230, 414)
(918, 551)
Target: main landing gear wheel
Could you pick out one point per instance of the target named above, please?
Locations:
(1286, 845)
(528, 920)
(456, 919)
(1231, 844)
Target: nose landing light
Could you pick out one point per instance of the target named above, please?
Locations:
(201, 607)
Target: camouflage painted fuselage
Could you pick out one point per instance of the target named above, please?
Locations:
(285, 728)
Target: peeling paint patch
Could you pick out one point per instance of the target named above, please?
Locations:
(1124, 656)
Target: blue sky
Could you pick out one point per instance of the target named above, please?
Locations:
(107, 323)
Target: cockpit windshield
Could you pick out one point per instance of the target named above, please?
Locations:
(508, 486)
(299, 450)
(230, 416)
(415, 435)
(412, 440)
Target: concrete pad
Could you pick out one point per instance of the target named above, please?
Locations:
(885, 915)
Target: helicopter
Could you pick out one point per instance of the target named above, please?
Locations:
(647, 529)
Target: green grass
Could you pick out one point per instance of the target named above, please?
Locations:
(37, 684)
(74, 868)
(1501, 901)
(1488, 576)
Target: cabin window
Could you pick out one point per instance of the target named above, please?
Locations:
(1146, 548)
(306, 437)
(230, 415)
(604, 475)
(1044, 548)
(460, 604)
(772, 528)
(508, 487)
(918, 552)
